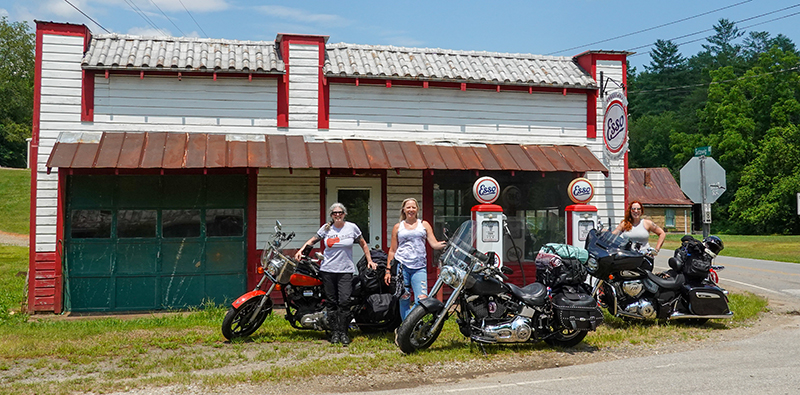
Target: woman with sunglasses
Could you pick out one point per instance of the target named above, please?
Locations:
(337, 268)
(638, 229)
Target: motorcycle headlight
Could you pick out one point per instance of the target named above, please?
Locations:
(274, 267)
(452, 276)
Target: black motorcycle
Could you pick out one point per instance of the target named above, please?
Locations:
(490, 310)
(626, 286)
(373, 305)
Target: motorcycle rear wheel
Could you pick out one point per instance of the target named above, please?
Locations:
(235, 324)
(412, 335)
(566, 338)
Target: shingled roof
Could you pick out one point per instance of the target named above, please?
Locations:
(655, 186)
(136, 53)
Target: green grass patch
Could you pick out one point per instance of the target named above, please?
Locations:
(15, 200)
(110, 354)
(773, 248)
(13, 266)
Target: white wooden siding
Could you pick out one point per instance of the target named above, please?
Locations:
(60, 103)
(609, 192)
(292, 199)
(303, 86)
(399, 187)
(413, 113)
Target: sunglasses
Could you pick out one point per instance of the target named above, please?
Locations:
(337, 212)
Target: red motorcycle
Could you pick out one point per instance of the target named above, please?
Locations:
(373, 306)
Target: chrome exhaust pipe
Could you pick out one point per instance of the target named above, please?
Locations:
(680, 316)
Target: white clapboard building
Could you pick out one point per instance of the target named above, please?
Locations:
(162, 163)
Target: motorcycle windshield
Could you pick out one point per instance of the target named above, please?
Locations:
(459, 246)
(607, 240)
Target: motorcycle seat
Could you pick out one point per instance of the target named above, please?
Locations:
(672, 283)
(532, 294)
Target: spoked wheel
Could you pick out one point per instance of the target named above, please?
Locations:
(237, 322)
(566, 338)
(415, 331)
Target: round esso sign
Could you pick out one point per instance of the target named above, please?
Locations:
(580, 190)
(486, 190)
(615, 126)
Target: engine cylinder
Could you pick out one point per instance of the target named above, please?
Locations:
(518, 330)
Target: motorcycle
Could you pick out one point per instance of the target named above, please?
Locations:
(301, 287)
(490, 310)
(627, 287)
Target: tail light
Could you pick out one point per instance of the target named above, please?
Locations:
(260, 270)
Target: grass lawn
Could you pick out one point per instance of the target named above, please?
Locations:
(772, 248)
(15, 200)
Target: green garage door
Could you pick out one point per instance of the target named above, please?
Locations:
(154, 242)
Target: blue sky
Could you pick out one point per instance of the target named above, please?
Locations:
(539, 27)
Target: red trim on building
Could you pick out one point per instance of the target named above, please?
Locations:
(283, 89)
(283, 41)
(323, 96)
(452, 85)
(591, 115)
(427, 215)
(384, 209)
(625, 178)
(252, 213)
(37, 99)
(323, 193)
(87, 96)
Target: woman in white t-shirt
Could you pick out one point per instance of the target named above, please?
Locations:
(408, 250)
(337, 268)
(638, 229)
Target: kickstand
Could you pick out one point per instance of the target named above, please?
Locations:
(483, 349)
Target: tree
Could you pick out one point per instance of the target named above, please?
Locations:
(721, 45)
(16, 90)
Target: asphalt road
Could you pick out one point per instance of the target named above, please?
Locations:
(767, 362)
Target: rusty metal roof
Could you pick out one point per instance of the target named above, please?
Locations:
(655, 186)
(161, 150)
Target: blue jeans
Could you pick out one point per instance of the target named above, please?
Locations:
(416, 280)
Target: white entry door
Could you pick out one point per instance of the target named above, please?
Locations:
(362, 197)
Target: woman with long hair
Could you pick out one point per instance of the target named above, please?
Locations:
(337, 268)
(408, 251)
(638, 229)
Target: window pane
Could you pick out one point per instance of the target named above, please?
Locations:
(357, 203)
(224, 222)
(669, 217)
(136, 223)
(180, 223)
(91, 224)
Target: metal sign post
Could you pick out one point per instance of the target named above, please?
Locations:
(703, 181)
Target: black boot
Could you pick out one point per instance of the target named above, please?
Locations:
(333, 326)
(344, 325)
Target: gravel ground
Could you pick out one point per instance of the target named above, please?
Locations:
(13, 239)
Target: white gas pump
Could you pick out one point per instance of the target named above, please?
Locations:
(488, 218)
(580, 218)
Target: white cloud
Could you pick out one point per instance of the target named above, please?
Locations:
(148, 32)
(298, 15)
(61, 9)
(191, 5)
(3, 12)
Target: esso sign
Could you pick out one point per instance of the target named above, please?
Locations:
(615, 124)
(580, 190)
(486, 190)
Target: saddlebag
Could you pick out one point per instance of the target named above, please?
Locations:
(692, 259)
(577, 310)
(707, 300)
(380, 306)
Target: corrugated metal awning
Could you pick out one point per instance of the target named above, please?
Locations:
(161, 150)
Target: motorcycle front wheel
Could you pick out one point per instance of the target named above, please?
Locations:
(237, 322)
(566, 338)
(413, 333)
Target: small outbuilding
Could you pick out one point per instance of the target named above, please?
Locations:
(661, 197)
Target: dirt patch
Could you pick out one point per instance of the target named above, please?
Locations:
(13, 239)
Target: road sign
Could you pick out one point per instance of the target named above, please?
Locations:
(693, 185)
(703, 151)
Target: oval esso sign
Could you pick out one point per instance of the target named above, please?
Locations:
(486, 190)
(615, 126)
(580, 190)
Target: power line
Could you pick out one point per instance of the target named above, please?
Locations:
(708, 30)
(195, 21)
(168, 18)
(714, 82)
(746, 27)
(87, 16)
(652, 28)
(141, 13)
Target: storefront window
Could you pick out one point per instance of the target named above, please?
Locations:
(180, 223)
(533, 204)
(136, 223)
(91, 224)
(224, 222)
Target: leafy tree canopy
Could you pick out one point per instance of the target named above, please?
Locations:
(16, 91)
